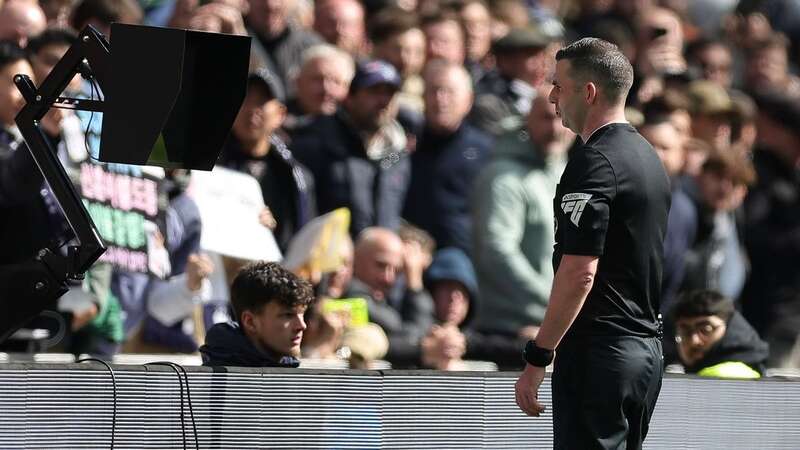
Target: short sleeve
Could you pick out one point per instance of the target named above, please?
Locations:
(583, 205)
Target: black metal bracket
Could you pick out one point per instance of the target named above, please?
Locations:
(37, 283)
(33, 286)
(90, 56)
(78, 104)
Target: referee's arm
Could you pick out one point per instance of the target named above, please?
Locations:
(571, 286)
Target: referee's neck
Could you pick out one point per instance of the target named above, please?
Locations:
(600, 117)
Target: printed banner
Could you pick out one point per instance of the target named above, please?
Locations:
(123, 203)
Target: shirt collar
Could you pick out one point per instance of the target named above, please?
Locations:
(603, 126)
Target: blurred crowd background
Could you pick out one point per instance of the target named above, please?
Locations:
(429, 121)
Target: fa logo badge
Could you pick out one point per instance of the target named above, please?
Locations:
(574, 203)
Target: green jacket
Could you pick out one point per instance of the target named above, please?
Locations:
(108, 321)
(513, 234)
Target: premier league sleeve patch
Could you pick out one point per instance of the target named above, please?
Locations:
(573, 206)
(582, 205)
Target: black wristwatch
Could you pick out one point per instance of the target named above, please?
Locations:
(537, 356)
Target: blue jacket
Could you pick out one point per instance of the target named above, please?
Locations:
(373, 190)
(227, 345)
(443, 169)
(681, 232)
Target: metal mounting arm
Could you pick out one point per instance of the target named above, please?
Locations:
(91, 57)
(39, 282)
(171, 101)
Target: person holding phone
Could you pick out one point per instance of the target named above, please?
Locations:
(660, 42)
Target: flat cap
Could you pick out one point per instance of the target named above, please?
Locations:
(523, 38)
(707, 97)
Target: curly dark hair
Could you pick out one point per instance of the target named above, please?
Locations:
(262, 282)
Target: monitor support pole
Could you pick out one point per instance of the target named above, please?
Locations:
(36, 284)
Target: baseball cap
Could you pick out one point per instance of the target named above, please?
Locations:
(373, 72)
(269, 82)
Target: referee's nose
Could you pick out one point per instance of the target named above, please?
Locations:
(553, 96)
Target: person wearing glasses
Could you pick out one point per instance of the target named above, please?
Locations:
(714, 340)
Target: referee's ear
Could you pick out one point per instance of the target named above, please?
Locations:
(590, 93)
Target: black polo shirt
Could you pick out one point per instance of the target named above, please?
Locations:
(612, 202)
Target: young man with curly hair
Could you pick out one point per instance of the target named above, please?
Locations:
(268, 304)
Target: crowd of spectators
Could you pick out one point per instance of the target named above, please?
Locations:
(429, 121)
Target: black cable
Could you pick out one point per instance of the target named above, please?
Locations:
(114, 393)
(180, 384)
(93, 87)
(191, 408)
(178, 369)
(91, 116)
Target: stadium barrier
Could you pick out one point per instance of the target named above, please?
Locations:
(77, 405)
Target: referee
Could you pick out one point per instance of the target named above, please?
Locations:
(611, 215)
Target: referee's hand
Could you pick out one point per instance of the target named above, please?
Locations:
(527, 390)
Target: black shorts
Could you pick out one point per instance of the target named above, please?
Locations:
(604, 391)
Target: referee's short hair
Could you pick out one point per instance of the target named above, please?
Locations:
(601, 62)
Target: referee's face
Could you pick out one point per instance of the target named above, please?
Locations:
(566, 96)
